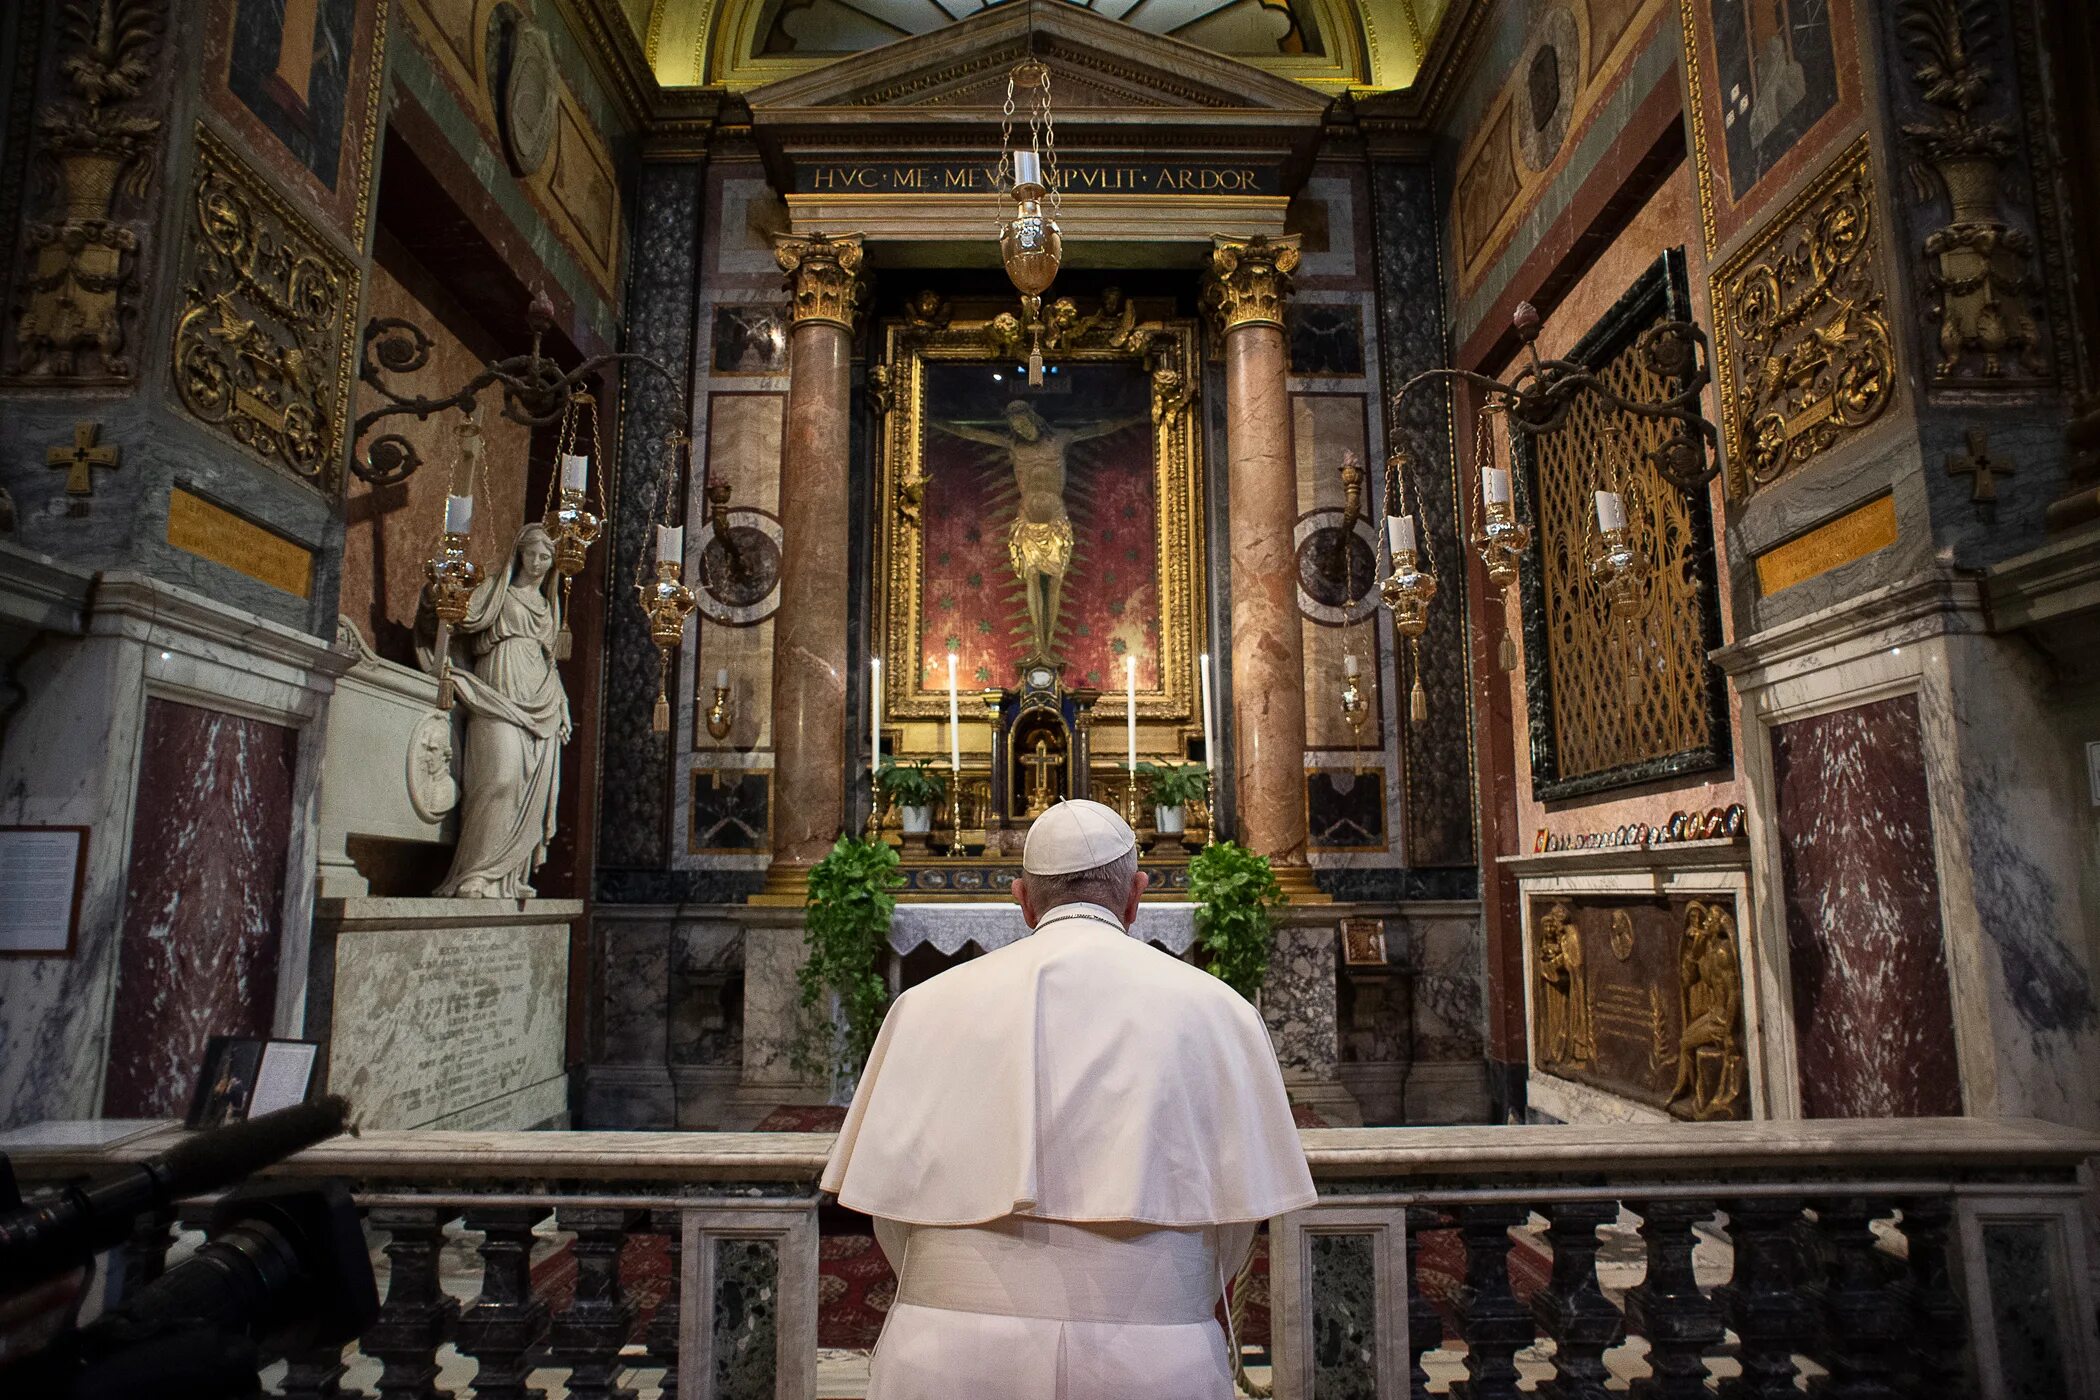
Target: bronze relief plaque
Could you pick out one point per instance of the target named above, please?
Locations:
(1642, 997)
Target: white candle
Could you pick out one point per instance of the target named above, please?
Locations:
(954, 733)
(1349, 664)
(1611, 511)
(721, 678)
(1210, 752)
(1495, 481)
(1400, 533)
(875, 713)
(1130, 706)
(670, 544)
(1028, 168)
(575, 471)
(459, 514)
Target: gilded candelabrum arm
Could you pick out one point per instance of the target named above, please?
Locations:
(536, 391)
(1541, 394)
(718, 517)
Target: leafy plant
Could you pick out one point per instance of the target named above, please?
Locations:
(845, 931)
(1235, 892)
(913, 783)
(1174, 784)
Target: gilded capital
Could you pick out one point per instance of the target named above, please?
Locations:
(1249, 279)
(823, 276)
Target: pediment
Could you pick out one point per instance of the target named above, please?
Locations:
(1098, 68)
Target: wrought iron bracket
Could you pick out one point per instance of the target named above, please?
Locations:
(535, 390)
(1539, 396)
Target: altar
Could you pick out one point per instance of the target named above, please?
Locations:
(992, 925)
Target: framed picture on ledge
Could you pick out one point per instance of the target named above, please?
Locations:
(246, 1076)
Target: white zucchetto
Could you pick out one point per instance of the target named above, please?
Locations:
(1076, 835)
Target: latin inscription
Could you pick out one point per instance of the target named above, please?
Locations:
(198, 527)
(1074, 178)
(1851, 536)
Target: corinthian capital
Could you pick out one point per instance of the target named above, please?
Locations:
(823, 274)
(1249, 279)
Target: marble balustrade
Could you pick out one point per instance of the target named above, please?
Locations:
(1923, 1256)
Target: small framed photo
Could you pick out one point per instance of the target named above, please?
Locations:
(246, 1076)
(43, 874)
(1363, 942)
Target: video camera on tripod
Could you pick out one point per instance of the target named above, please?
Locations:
(284, 1268)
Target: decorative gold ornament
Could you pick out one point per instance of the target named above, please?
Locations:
(574, 519)
(1410, 588)
(1029, 243)
(665, 600)
(79, 459)
(80, 262)
(719, 716)
(1801, 316)
(1710, 1057)
(1250, 280)
(823, 277)
(1620, 570)
(1356, 707)
(1977, 463)
(262, 345)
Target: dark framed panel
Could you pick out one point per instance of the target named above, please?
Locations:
(1612, 707)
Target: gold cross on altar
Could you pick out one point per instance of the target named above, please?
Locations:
(1979, 465)
(81, 458)
(1042, 761)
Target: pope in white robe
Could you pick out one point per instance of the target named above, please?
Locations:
(1067, 1146)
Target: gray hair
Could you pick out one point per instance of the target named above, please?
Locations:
(1106, 885)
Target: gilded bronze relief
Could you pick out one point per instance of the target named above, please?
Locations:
(1802, 330)
(1642, 998)
(263, 344)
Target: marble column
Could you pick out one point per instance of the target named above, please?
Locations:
(809, 634)
(1248, 283)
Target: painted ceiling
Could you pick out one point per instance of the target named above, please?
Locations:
(1330, 45)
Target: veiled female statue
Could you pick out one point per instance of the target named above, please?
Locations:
(504, 675)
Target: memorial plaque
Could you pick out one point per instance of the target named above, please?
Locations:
(1642, 998)
(1853, 535)
(198, 527)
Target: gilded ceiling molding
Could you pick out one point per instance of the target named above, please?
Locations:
(1802, 338)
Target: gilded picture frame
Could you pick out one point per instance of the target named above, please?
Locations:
(905, 497)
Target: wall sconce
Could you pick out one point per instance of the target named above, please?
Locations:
(720, 716)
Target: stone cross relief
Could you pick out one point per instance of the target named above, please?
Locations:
(1980, 466)
(80, 459)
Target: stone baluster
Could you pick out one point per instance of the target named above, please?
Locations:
(501, 1326)
(316, 1373)
(418, 1316)
(663, 1328)
(1494, 1324)
(1864, 1320)
(1249, 283)
(809, 630)
(1939, 1326)
(1680, 1322)
(588, 1334)
(1571, 1308)
(1765, 1302)
(1425, 1325)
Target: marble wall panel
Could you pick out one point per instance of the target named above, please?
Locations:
(707, 995)
(1344, 1322)
(746, 1319)
(204, 902)
(1873, 1014)
(1450, 1001)
(1298, 999)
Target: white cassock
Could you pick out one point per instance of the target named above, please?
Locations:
(1067, 1146)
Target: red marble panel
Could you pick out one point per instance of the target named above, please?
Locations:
(203, 902)
(1874, 1018)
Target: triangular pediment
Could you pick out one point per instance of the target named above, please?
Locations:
(1098, 68)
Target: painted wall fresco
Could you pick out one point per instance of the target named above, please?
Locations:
(1873, 1014)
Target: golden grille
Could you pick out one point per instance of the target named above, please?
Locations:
(1626, 698)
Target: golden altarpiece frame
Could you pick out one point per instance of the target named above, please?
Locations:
(1107, 376)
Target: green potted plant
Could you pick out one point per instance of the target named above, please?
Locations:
(916, 787)
(845, 934)
(1170, 787)
(1235, 893)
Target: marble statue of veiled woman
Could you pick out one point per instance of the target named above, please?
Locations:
(503, 670)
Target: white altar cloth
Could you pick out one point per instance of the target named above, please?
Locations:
(994, 925)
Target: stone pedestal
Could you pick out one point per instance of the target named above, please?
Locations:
(1249, 282)
(445, 1013)
(809, 636)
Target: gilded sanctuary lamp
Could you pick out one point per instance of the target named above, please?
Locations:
(573, 520)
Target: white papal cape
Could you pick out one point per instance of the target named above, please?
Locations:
(1067, 1145)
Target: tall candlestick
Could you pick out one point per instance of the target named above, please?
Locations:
(575, 471)
(1495, 485)
(1210, 751)
(1130, 706)
(1400, 533)
(875, 714)
(954, 733)
(459, 514)
(1611, 511)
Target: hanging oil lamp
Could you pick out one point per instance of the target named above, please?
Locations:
(575, 516)
(666, 601)
(451, 575)
(1029, 243)
(1407, 592)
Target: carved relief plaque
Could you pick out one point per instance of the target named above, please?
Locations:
(1801, 326)
(263, 343)
(1643, 998)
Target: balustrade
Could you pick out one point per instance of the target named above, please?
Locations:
(1667, 1257)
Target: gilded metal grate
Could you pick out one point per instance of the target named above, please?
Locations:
(1615, 701)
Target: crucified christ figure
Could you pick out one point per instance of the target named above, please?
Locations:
(1040, 541)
